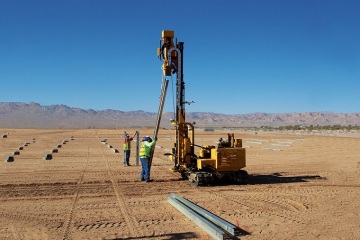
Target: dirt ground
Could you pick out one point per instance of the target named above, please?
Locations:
(300, 187)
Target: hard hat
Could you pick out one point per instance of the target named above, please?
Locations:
(146, 138)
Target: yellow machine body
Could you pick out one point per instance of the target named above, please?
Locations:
(230, 158)
(224, 159)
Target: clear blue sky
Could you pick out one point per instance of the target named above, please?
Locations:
(241, 56)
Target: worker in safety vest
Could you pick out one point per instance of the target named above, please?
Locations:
(127, 148)
(145, 150)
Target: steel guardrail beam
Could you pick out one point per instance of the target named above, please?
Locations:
(203, 223)
(225, 225)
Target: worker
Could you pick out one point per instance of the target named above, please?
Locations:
(145, 151)
(127, 148)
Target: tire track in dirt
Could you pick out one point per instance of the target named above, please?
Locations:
(284, 205)
(282, 200)
(14, 232)
(269, 204)
(120, 199)
(253, 201)
(75, 200)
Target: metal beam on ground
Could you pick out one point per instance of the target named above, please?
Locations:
(203, 223)
(230, 228)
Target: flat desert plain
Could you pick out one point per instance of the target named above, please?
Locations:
(300, 187)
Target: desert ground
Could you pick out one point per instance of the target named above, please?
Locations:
(300, 187)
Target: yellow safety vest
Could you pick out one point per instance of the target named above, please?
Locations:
(144, 150)
(127, 145)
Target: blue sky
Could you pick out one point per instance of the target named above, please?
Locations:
(241, 56)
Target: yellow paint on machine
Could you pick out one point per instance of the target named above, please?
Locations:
(224, 159)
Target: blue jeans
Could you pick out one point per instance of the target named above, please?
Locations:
(126, 157)
(145, 171)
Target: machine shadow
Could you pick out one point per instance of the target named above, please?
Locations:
(277, 178)
(176, 236)
(172, 236)
(257, 179)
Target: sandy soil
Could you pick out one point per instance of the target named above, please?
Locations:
(300, 187)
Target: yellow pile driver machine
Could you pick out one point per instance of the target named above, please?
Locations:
(213, 163)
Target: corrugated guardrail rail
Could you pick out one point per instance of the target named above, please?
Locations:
(215, 226)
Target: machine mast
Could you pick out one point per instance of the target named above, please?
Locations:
(172, 56)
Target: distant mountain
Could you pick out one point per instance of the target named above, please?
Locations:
(34, 115)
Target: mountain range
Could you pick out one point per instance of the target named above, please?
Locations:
(34, 115)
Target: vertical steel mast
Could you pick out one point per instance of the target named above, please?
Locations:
(182, 129)
(172, 56)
